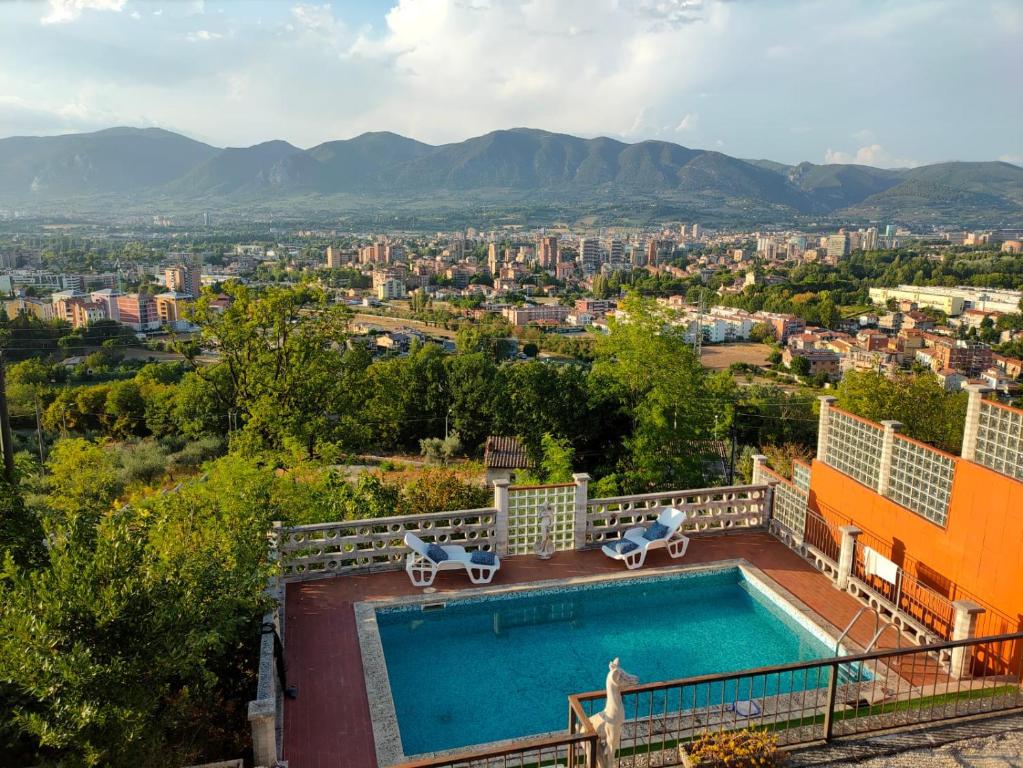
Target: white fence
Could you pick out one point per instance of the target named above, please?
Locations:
(326, 549)
(511, 526)
(707, 510)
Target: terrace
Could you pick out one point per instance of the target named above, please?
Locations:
(947, 654)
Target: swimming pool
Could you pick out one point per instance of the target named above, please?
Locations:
(500, 666)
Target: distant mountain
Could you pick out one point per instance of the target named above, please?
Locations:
(126, 168)
(115, 160)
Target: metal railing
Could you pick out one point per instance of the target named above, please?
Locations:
(800, 703)
(817, 701)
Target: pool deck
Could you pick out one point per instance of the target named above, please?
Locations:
(328, 725)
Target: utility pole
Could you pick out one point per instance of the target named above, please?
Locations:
(39, 435)
(5, 425)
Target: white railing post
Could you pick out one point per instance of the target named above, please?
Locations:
(822, 426)
(263, 722)
(972, 427)
(759, 463)
(964, 626)
(846, 555)
(884, 470)
(501, 518)
(582, 483)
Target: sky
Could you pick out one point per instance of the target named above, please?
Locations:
(889, 83)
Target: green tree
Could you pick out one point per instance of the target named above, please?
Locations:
(81, 486)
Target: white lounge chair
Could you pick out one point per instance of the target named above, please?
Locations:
(423, 569)
(631, 549)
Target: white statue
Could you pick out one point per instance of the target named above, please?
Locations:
(608, 724)
(545, 543)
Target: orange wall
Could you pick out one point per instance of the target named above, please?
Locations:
(981, 549)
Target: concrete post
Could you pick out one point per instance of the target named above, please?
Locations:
(846, 555)
(759, 463)
(884, 471)
(964, 626)
(263, 721)
(501, 522)
(582, 490)
(976, 393)
(823, 424)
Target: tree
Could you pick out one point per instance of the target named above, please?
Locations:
(280, 353)
(800, 365)
(81, 486)
(125, 409)
(133, 646)
(678, 410)
(917, 401)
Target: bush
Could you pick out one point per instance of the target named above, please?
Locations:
(197, 452)
(142, 463)
(737, 749)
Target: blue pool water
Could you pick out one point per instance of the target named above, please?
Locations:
(500, 667)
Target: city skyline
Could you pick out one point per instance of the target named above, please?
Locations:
(729, 76)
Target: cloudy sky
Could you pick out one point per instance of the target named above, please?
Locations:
(882, 82)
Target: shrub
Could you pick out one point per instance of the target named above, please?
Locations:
(142, 463)
(737, 749)
(194, 453)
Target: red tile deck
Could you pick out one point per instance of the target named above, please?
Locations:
(328, 725)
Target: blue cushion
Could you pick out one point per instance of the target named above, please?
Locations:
(481, 557)
(624, 546)
(436, 553)
(655, 532)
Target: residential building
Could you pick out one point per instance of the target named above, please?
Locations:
(540, 314)
(838, 245)
(138, 312)
(391, 288)
(822, 361)
(595, 307)
(968, 357)
(782, 324)
(615, 251)
(333, 257)
(548, 251)
(170, 309)
(589, 255)
(185, 279)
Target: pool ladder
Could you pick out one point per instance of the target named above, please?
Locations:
(879, 629)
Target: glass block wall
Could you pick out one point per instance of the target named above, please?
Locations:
(801, 475)
(1000, 440)
(524, 507)
(921, 479)
(854, 447)
(790, 506)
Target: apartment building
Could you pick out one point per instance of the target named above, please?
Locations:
(541, 314)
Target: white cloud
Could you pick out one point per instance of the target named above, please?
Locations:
(872, 154)
(63, 11)
(202, 35)
(1014, 159)
(687, 123)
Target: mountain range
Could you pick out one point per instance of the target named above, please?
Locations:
(130, 169)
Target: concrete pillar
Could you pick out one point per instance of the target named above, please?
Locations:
(964, 626)
(263, 721)
(846, 553)
(976, 393)
(582, 490)
(501, 522)
(884, 471)
(759, 463)
(822, 428)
